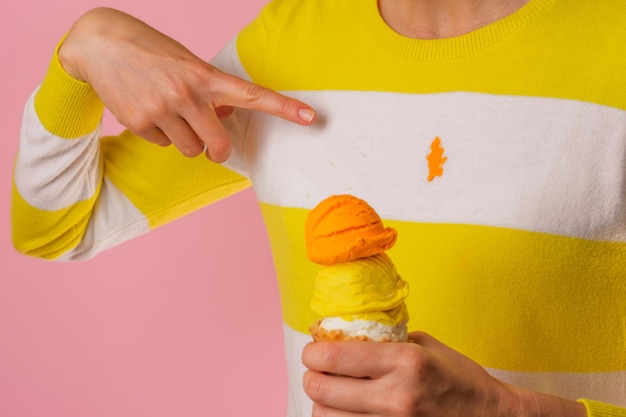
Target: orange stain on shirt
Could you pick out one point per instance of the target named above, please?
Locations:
(436, 159)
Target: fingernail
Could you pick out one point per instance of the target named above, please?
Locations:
(306, 114)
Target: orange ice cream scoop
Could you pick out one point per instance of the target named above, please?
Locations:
(343, 228)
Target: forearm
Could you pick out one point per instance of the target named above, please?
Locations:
(534, 404)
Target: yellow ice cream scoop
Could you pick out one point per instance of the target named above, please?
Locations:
(365, 285)
(395, 317)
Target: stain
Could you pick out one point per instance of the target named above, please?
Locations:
(436, 159)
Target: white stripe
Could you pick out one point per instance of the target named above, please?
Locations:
(236, 124)
(540, 164)
(53, 173)
(608, 387)
(114, 220)
(228, 61)
(299, 404)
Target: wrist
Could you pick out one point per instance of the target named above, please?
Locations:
(511, 401)
(74, 46)
(67, 61)
(527, 403)
(66, 107)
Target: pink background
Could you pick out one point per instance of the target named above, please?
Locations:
(182, 322)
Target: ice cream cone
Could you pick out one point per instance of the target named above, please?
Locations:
(358, 292)
(320, 334)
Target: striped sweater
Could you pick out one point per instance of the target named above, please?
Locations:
(499, 156)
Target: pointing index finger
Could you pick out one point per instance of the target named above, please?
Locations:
(229, 90)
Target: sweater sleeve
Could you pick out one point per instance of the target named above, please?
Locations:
(76, 193)
(600, 409)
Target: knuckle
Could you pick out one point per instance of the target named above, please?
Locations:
(162, 142)
(157, 137)
(286, 105)
(142, 122)
(319, 411)
(314, 386)
(171, 89)
(254, 92)
(404, 403)
(199, 70)
(179, 94)
(404, 398)
(329, 354)
(190, 150)
(407, 357)
(219, 149)
(420, 337)
(141, 126)
(158, 109)
(210, 78)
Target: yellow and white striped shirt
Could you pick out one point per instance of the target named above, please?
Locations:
(515, 251)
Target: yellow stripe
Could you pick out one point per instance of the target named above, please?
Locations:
(69, 226)
(67, 108)
(163, 184)
(362, 53)
(510, 299)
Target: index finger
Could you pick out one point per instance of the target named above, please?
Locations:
(355, 359)
(229, 90)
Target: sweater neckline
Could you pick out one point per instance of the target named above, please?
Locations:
(446, 48)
